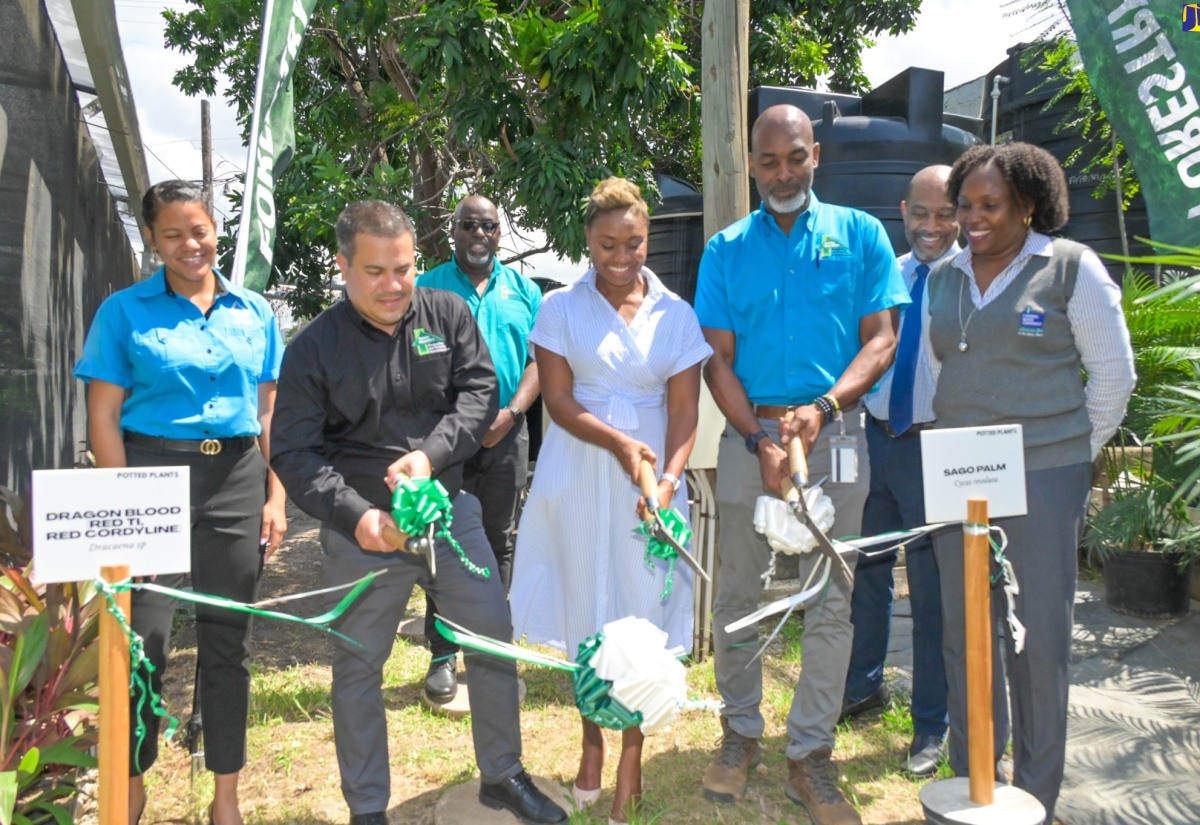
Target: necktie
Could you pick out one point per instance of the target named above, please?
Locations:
(900, 405)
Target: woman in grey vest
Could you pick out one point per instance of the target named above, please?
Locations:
(1013, 322)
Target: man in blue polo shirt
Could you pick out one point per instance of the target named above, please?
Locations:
(799, 302)
(505, 304)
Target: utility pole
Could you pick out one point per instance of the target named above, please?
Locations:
(206, 155)
(725, 74)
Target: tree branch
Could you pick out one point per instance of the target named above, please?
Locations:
(527, 254)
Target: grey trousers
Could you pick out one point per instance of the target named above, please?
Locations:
(744, 556)
(359, 722)
(1043, 548)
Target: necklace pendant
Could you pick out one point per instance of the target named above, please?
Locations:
(962, 346)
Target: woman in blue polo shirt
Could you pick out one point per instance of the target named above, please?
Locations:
(181, 370)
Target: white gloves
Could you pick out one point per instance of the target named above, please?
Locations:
(774, 519)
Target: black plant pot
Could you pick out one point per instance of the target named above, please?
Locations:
(1148, 585)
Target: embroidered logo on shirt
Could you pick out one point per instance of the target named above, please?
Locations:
(833, 248)
(1032, 323)
(426, 343)
(506, 292)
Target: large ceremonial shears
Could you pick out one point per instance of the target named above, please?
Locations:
(654, 521)
(412, 544)
(791, 489)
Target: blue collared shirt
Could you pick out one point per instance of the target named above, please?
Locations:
(505, 313)
(794, 301)
(188, 376)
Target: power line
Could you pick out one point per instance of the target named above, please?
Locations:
(163, 162)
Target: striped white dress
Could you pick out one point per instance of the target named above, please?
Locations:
(578, 562)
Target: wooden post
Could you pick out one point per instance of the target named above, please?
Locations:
(725, 74)
(979, 630)
(114, 707)
(206, 170)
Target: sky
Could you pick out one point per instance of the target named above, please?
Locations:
(961, 38)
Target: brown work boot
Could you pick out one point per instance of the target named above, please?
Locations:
(812, 783)
(725, 778)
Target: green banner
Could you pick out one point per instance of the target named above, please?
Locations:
(1143, 60)
(272, 139)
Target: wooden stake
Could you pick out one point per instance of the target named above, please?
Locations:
(114, 707)
(978, 596)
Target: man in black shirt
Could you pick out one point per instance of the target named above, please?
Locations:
(396, 380)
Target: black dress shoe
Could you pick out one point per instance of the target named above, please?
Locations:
(520, 796)
(376, 818)
(924, 755)
(441, 683)
(876, 699)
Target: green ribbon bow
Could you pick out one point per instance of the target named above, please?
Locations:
(679, 529)
(418, 503)
(592, 693)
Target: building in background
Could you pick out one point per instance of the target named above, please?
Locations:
(65, 218)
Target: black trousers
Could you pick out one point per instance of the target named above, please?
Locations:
(228, 492)
(496, 476)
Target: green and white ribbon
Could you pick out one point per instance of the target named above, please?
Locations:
(678, 528)
(593, 695)
(893, 540)
(1006, 573)
(141, 670)
(631, 651)
(419, 503)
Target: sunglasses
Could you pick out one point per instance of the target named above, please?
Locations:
(487, 226)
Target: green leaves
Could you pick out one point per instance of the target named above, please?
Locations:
(1151, 494)
(26, 657)
(529, 104)
(48, 690)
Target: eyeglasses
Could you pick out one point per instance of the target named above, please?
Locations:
(487, 226)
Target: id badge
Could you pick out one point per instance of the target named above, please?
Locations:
(843, 464)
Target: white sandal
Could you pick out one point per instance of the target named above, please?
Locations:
(585, 799)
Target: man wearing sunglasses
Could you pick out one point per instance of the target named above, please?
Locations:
(505, 304)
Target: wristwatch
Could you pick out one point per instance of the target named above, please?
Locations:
(753, 439)
(518, 414)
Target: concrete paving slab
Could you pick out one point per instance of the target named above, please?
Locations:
(412, 629)
(1133, 730)
(460, 804)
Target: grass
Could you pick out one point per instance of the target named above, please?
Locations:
(291, 774)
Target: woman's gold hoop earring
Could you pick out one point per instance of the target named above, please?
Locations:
(1028, 220)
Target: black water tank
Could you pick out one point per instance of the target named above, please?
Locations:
(677, 236)
(1022, 116)
(871, 146)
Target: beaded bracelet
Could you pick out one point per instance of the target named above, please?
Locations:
(828, 406)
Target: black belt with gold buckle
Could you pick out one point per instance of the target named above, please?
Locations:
(207, 446)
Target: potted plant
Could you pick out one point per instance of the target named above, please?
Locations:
(1145, 532)
(1145, 535)
(48, 681)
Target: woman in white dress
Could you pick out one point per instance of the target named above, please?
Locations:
(619, 363)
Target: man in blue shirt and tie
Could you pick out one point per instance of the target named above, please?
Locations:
(798, 301)
(505, 304)
(897, 411)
